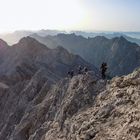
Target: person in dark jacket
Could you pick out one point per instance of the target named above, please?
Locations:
(103, 70)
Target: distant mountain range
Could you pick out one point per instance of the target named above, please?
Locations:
(121, 55)
(108, 34)
(117, 49)
(12, 38)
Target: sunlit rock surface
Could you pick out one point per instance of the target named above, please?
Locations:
(81, 108)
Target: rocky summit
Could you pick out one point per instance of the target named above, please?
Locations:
(38, 101)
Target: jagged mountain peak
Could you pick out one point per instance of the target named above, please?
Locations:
(30, 42)
(100, 38)
(30, 47)
(122, 44)
(28, 38)
(122, 40)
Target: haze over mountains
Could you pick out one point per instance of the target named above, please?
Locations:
(12, 38)
(121, 55)
(110, 47)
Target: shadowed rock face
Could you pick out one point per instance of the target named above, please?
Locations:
(121, 55)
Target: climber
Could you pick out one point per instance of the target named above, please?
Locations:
(79, 70)
(103, 70)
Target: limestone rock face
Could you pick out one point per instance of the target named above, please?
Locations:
(114, 113)
(33, 107)
(81, 108)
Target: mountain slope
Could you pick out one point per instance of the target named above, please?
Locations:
(83, 107)
(23, 59)
(121, 55)
(113, 114)
(27, 71)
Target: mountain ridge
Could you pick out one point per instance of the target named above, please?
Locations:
(12, 38)
(28, 56)
(116, 52)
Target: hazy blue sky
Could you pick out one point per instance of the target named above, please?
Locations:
(116, 14)
(109, 15)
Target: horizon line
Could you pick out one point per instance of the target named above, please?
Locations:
(69, 31)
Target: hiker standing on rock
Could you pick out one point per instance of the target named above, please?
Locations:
(103, 70)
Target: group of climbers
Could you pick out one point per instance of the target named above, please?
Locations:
(80, 71)
(84, 70)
